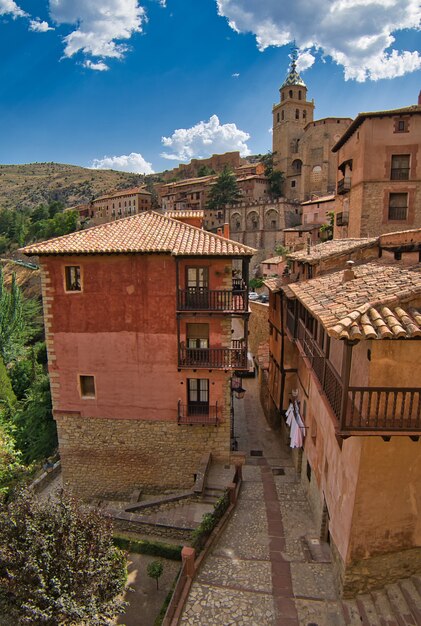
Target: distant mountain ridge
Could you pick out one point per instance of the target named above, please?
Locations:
(36, 183)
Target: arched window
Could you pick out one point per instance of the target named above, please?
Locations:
(299, 94)
(296, 165)
(304, 114)
(290, 93)
(283, 114)
(297, 114)
(277, 117)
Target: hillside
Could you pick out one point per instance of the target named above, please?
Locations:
(35, 183)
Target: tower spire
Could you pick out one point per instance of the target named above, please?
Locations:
(293, 77)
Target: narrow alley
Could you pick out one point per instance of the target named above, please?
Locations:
(263, 571)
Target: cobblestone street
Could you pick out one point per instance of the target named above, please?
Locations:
(258, 573)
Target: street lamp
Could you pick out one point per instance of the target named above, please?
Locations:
(239, 392)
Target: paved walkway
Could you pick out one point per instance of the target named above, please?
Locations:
(258, 573)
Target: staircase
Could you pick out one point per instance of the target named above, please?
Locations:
(211, 495)
(397, 604)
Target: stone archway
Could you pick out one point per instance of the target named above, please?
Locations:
(235, 222)
(271, 220)
(252, 221)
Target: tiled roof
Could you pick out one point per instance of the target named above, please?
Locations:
(124, 192)
(185, 213)
(318, 200)
(275, 259)
(361, 117)
(383, 301)
(331, 248)
(143, 233)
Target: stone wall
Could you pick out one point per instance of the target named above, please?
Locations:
(110, 457)
(258, 325)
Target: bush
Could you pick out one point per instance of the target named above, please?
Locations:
(152, 548)
(208, 523)
(58, 564)
(255, 283)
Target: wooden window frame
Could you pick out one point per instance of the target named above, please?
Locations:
(66, 276)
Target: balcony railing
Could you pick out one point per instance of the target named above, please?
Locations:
(363, 409)
(213, 358)
(342, 218)
(399, 173)
(385, 408)
(398, 212)
(344, 185)
(202, 299)
(204, 415)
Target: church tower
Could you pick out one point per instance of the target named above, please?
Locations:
(290, 116)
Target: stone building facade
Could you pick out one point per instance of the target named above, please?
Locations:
(302, 145)
(142, 344)
(258, 224)
(379, 173)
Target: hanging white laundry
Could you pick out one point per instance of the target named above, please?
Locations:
(297, 427)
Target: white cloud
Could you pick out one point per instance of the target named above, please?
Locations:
(99, 66)
(39, 26)
(9, 7)
(235, 75)
(101, 25)
(205, 139)
(357, 34)
(305, 60)
(133, 162)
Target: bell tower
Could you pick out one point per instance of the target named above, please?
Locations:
(290, 116)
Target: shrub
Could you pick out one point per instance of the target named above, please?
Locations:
(152, 548)
(58, 565)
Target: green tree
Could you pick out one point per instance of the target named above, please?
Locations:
(327, 228)
(224, 191)
(154, 570)
(205, 170)
(275, 177)
(11, 319)
(32, 418)
(58, 564)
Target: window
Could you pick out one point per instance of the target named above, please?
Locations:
(198, 396)
(401, 125)
(277, 117)
(299, 94)
(87, 386)
(297, 114)
(304, 115)
(290, 93)
(197, 336)
(398, 206)
(283, 114)
(293, 183)
(400, 167)
(72, 275)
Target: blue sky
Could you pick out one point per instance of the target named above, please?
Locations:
(81, 80)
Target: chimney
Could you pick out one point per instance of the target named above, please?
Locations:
(226, 231)
(348, 272)
(419, 98)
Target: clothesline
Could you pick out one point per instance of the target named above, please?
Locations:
(296, 424)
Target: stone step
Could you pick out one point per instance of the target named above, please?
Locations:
(412, 596)
(368, 611)
(351, 613)
(384, 608)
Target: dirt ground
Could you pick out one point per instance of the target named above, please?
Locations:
(145, 601)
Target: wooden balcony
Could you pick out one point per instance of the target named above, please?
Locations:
(344, 185)
(202, 299)
(342, 218)
(363, 410)
(202, 415)
(213, 358)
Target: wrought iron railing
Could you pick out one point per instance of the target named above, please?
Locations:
(202, 299)
(202, 414)
(399, 173)
(213, 358)
(344, 185)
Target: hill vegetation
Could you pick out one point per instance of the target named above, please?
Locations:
(29, 185)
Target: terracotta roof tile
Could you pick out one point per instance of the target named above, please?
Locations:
(143, 233)
(331, 248)
(185, 213)
(383, 301)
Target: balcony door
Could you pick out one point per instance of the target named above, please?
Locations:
(198, 396)
(197, 336)
(197, 283)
